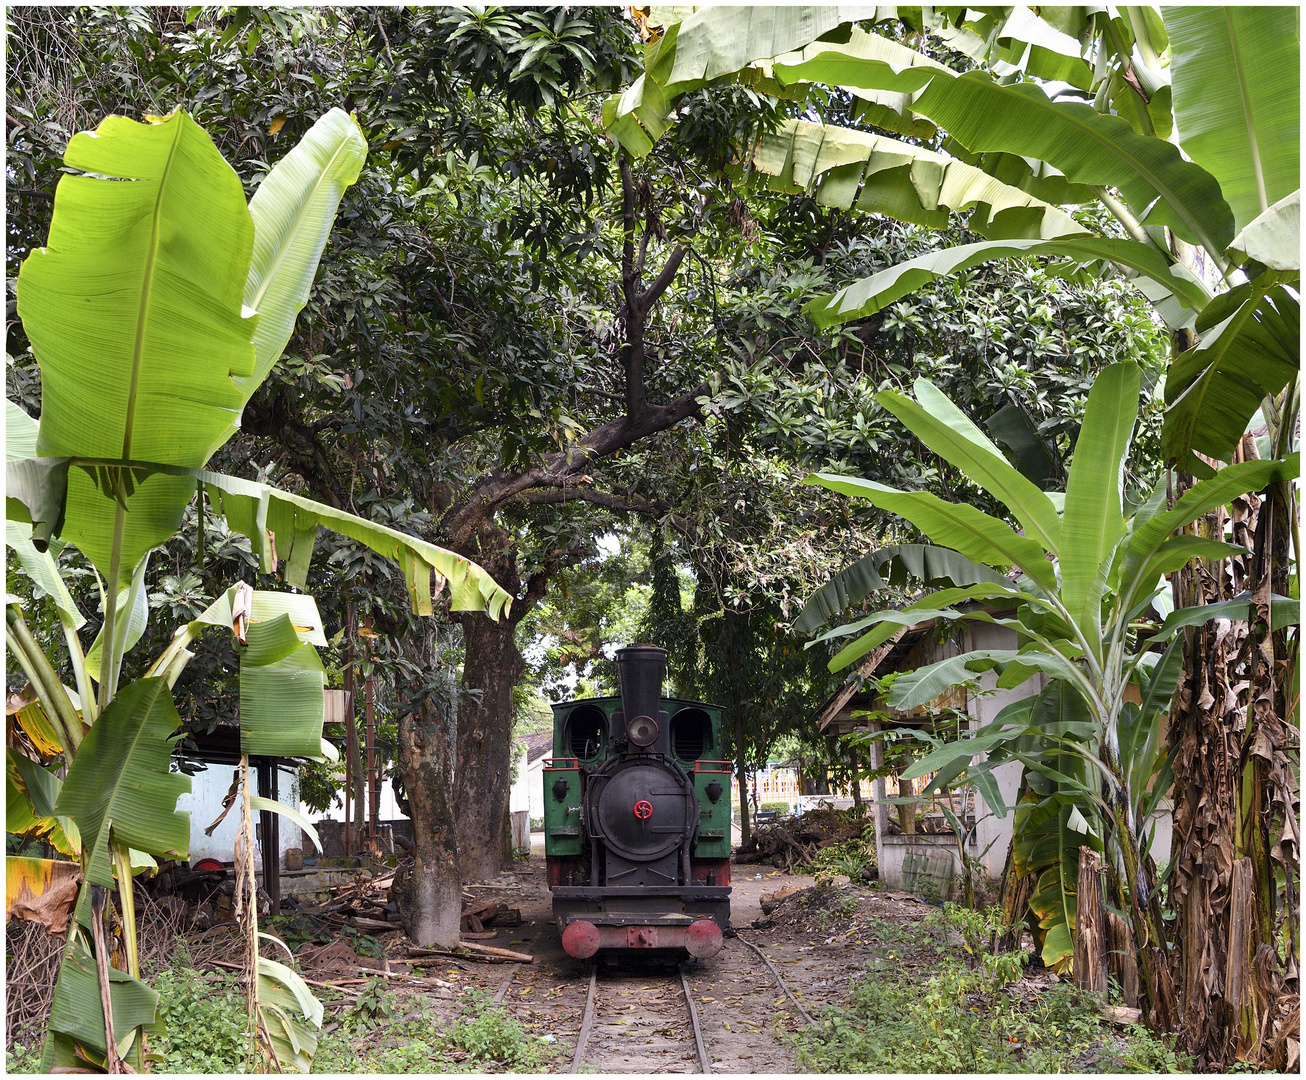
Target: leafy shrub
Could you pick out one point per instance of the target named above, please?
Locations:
(205, 1016)
(487, 1033)
(20, 1059)
(851, 858)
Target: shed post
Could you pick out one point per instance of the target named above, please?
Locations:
(880, 811)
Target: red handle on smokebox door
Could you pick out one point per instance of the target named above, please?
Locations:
(643, 809)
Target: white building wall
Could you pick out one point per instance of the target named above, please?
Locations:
(204, 802)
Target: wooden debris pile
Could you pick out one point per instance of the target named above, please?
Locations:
(788, 843)
(363, 903)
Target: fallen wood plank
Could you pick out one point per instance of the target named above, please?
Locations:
(372, 924)
(483, 935)
(1121, 1014)
(506, 954)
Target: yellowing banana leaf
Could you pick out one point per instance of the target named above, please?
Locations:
(120, 781)
(41, 891)
(1249, 347)
(1237, 78)
(1089, 147)
(32, 792)
(77, 1016)
(282, 704)
(872, 294)
(135, 318)
(31, 717)
(877, 174)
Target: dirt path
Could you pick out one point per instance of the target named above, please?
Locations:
(642, 1023)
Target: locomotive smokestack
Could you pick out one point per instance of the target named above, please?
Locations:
(640, 670)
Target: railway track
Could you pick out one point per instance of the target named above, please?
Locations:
(634, 1022)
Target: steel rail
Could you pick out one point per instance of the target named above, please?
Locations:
(507, 982)
(588, 1021)
(779, 981)
(704, 1062)
(591, 1005)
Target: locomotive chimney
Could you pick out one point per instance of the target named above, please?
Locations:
(640, 670)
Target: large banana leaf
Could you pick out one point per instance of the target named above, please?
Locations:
(713, 43)
(877, 174)
(1094, 522)
(1273, 238)
(955, 525)
(1225, 486)
(120, 781)
(1089, 147)
(283, 527)
(932, 565)
(293, 1015)
(30, 794)
(133, 613)
(946, 430)
(77, 1017)
(293, 210)
(872, 294)
(1237, 80)
(282, 685)
(886, 623)
(136, 321)
(166, 384)
(20, 433)
(1249, 348)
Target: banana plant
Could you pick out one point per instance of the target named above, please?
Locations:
(158, 305)
(1107, 100)
(1090, 572)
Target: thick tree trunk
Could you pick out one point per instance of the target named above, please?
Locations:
(430, 898)
(741, 771)
(492, 666)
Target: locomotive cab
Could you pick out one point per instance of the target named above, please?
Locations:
(637, 818)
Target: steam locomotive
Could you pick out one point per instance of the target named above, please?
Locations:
(637, 818)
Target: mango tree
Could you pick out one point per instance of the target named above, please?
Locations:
(158, 305)
(1069, 107)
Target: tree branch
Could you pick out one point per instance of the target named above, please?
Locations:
(553, 496)
(658, 286)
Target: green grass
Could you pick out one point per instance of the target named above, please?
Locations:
(372, 1039)
(965, 1020)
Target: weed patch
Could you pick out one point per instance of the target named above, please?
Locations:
(205, 1019)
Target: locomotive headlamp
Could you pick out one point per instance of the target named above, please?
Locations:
(642, 730)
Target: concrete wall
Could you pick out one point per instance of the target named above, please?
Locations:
(207, 790)
(528, 792)
(992, 832)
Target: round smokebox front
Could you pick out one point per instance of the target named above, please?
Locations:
(643, 811)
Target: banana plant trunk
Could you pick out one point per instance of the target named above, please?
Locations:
(1235, 876)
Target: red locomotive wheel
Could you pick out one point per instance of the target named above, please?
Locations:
(643, 809)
